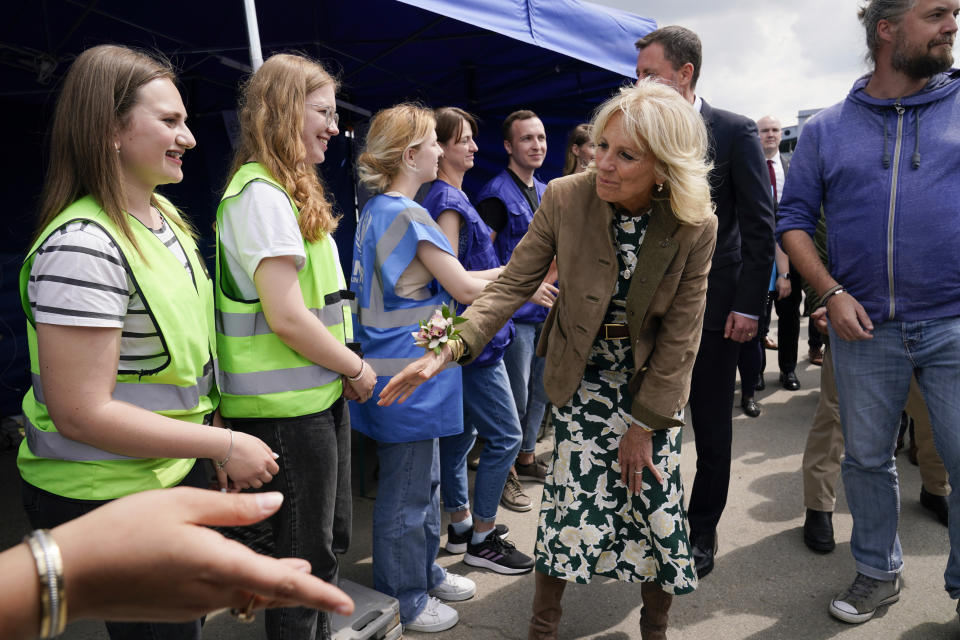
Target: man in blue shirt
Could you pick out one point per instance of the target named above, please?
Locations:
(883, 164)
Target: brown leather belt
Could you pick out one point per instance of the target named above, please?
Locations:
(618, 331)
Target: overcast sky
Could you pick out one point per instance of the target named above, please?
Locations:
(768, 56)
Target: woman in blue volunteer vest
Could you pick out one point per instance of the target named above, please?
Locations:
(283, 318)
(489, 410)
(399, 256)
(120, 311)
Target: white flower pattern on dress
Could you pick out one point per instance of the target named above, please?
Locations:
(589, 524)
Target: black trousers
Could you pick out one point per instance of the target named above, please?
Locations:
(316, 519)
(788, 323)
(711, 413)
(750, 365)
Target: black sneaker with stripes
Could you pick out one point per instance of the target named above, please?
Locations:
(498, 555)
(458, 543)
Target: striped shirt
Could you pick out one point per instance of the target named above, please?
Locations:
(78, 279)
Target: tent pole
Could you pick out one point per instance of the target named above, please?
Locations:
(253, 34)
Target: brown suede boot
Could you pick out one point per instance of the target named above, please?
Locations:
(654, 614)
(546, 607)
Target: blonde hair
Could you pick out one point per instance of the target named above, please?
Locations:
(100, 88)
(659, 121)
(392, 132)
(271, 131)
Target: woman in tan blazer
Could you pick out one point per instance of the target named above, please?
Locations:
(633, 237)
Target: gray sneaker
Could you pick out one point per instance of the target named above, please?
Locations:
(535, 471)
(513, 497)
(862, 598)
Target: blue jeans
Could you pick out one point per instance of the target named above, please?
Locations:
(525, 370)
(873, 379)
(488, 411)
(406, 524)
(314, 521)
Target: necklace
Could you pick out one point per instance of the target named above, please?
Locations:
(629, 253)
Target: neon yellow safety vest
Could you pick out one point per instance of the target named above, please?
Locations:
(260, 376)
(183, 388)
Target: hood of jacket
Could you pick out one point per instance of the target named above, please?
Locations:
(938, 87)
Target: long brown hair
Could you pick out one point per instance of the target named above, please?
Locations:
(100, 89)
(579, 136)
(271, 132)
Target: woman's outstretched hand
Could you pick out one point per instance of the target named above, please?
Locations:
(413, 375)
(151, 556)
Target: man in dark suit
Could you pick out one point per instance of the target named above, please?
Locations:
(739, 276)
(788, 293)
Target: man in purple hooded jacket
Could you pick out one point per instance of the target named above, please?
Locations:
(884, 165)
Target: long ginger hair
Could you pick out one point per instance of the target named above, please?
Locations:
(271, 129)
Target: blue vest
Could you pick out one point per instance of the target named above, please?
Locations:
(386, 242)
(475, 254)
(505, 189)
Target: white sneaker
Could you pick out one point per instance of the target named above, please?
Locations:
(454, 588)
(435, 617)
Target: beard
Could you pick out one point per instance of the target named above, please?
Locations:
(919, 63)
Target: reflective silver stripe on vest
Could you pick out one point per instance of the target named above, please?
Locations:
(152, 396)
(378, 319)
(243, 325)
(50, 444)
(376, 316)
(262, 382)
(392, 366)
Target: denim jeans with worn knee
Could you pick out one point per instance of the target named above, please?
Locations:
(525, 370)
(873, 379)
(314, 521)
(406, 524)
(488, 411)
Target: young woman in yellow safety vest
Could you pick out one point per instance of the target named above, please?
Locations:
(120, 311)
(284, 319)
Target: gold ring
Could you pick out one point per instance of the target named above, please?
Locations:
(245, 615)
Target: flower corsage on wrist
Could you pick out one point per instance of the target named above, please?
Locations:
(439, 330)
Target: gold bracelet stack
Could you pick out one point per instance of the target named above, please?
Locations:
(53, 601)
(457, 347)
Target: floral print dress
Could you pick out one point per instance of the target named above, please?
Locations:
(590, 525)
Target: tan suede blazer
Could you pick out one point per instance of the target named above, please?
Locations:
(665, 301)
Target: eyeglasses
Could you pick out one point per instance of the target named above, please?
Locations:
(331, 115)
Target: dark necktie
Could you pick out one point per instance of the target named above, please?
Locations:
(773, 178)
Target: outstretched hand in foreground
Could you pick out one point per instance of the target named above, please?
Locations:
(413, 375)
(150, 557)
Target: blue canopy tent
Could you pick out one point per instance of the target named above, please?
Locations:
(557, 57)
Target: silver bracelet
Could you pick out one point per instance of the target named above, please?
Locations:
(222, 463)
(363, 365)
(53, 600)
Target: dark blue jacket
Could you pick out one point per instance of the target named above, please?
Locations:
(475, 253)
(504, 188)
